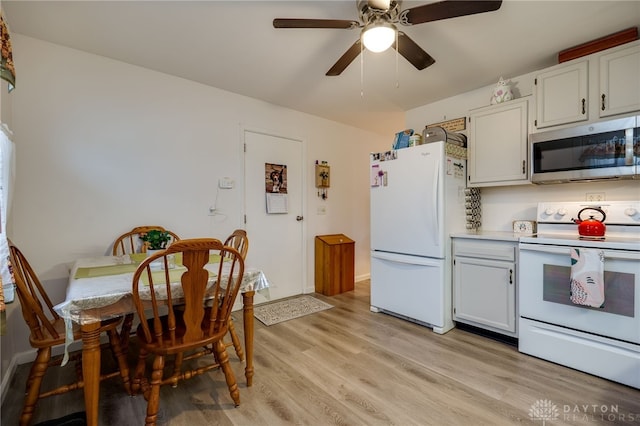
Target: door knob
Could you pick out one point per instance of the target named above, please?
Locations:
(299, 218)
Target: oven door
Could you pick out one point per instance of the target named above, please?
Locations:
(544, 287)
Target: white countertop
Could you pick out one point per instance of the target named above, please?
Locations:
(489, 235)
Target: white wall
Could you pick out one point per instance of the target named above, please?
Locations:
(502, 205)
(103, 146)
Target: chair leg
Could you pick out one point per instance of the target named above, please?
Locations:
(137, 383)
(36, 375)
(120, 356)
(177, 368)
(153, 402)
(222, 355)
(125, 332)
(236, 341)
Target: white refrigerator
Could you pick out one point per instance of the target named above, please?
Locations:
(417, 200)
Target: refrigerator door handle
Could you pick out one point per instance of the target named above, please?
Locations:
(434, 201)
(409, 260)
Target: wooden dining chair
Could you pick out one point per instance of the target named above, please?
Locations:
(47, 329)
(130, 242)
(178, 318)
(239, 241)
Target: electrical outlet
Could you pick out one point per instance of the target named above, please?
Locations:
(595, 196)
(321, 210)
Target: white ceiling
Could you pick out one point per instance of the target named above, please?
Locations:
(232, 45)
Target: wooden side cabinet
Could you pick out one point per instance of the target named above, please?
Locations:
(335, 269)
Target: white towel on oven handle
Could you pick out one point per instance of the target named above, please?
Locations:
(587, 277)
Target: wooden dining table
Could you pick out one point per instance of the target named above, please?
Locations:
(100, 288)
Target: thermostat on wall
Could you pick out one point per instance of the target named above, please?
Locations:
(225, 183)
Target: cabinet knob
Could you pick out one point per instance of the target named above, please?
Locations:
(584, 108)
(510, 276)
(603, 97)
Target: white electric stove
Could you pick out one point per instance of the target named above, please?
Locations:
(603, 341)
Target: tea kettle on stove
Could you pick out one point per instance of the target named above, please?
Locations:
(591, 227)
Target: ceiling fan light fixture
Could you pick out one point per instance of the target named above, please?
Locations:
(379, 36)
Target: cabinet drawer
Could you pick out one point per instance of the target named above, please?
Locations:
(485, 249)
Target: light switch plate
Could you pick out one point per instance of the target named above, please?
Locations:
(225, 183)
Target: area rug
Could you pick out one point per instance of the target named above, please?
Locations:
(273, 313)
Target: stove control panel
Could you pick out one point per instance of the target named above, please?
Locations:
(617, 212)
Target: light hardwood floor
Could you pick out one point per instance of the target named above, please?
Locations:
(349, 366)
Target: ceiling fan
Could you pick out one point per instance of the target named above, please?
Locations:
(378, 19)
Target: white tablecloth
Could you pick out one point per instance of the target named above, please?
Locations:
(84, 294)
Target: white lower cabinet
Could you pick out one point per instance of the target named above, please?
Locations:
(484, 284)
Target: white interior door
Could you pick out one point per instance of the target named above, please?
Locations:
(275, 239)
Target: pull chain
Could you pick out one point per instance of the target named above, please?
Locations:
(397, 54)
(361, 70)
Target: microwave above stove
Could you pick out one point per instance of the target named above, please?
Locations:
(604, 150)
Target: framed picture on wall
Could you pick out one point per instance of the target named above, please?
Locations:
(275, 178)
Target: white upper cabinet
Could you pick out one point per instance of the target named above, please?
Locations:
(596, 86)
(620, 82)
(561, 95)
(497, 146)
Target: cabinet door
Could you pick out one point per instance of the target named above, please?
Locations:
(561, 95)
(497, 148)
(484, 292)
(620, 82)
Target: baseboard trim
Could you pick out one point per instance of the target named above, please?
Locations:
(6, 379)
(30, 356)
(16, 360)
(363, 277)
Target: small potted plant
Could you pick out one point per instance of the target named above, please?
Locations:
(154, 241)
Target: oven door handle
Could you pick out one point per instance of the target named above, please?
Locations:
(608, 254)
(543, 248)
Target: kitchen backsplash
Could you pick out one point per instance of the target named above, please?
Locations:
(502, 205)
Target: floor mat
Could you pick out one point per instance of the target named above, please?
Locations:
(284, 310)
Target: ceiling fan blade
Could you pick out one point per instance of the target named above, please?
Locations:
(412, 52)
(345, 59)
(446, 9)
(315, 23)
